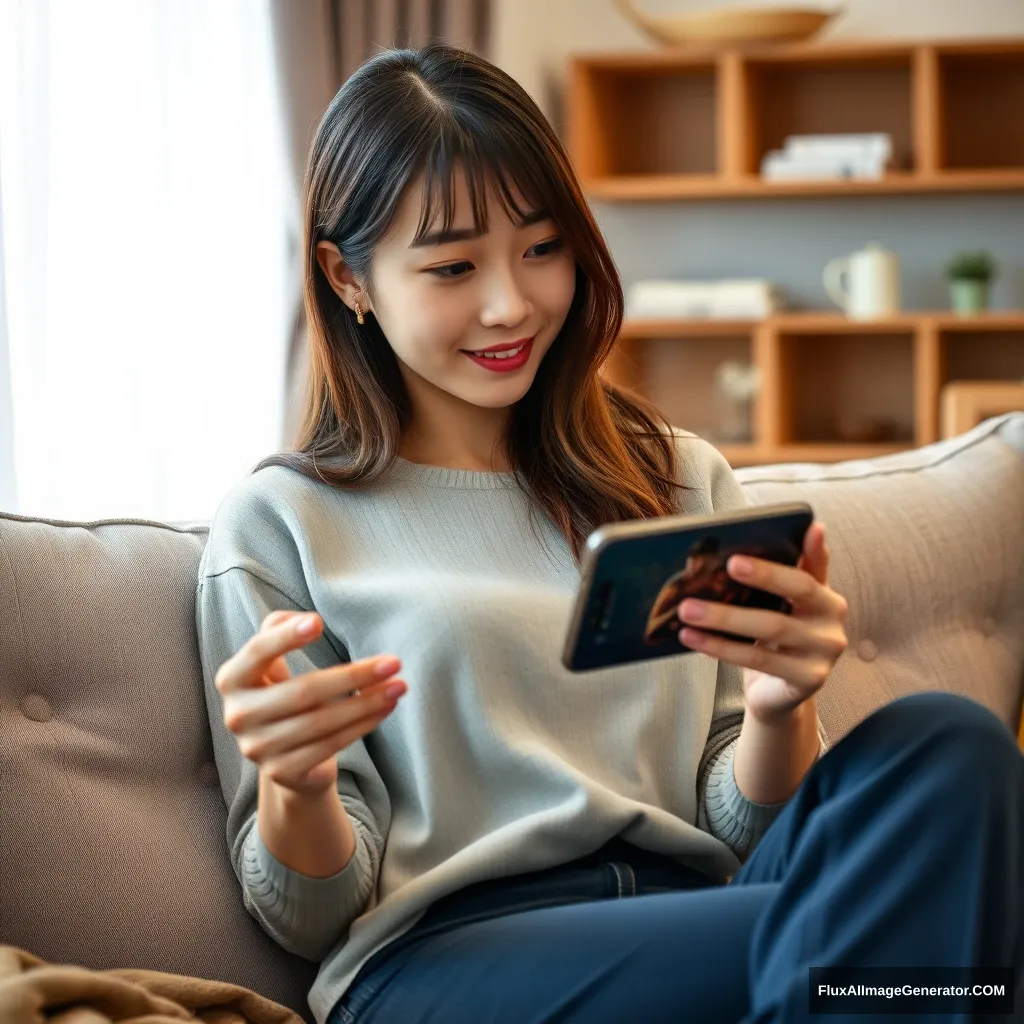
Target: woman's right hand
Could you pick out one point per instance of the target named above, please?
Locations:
(293, 728)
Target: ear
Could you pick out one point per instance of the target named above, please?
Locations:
(340, 276)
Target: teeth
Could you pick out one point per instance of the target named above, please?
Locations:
(501, 355)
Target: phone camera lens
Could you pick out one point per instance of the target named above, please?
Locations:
(601, 612)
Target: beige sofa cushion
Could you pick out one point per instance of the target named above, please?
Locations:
(928, 548)
(113, 849)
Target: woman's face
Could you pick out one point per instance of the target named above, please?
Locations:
(437, 302)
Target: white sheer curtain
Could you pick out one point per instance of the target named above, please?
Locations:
(145, 195)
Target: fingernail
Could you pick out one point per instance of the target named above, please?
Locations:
(394, 691)
(387, 667)
(693, 611)
(742, 566)
(306, 624)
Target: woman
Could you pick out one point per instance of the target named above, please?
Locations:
(490, 837)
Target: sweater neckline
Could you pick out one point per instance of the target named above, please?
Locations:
(442, 476)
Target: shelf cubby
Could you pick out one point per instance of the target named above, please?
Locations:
(847, 387)
(854, 93)
(828, 384)
(982, 98)
(651, 123)
(680, 378)
(682, 124)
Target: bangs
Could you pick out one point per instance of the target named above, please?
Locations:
(505, 167)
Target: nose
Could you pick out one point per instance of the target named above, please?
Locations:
(505, 304)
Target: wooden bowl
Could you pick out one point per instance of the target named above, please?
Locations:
(728, 26)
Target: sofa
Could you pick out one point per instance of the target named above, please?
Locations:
(113, 850)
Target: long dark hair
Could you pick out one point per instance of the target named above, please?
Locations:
(585, 451)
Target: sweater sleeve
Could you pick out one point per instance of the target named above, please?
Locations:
(235, 592)
(723, 810)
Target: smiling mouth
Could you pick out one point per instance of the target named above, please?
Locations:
(509, 361)
(509, 353)
(499, 356)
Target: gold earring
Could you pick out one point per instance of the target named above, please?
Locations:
(359, 313)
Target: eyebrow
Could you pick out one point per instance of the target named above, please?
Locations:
(463, 234)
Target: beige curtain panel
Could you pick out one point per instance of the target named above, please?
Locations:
(318, 44)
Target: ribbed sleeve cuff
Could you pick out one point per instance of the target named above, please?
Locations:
(731, 817)
(305, 915)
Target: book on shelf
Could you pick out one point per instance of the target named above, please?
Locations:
(829, 158)
(731, 299)
(875, 144)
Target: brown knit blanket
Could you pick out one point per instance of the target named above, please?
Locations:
(33, 991)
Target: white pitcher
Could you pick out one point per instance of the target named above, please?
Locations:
(865, 284)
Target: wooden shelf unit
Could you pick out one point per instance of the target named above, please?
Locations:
(675, 124)
(817, 371)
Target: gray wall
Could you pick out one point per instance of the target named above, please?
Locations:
(789, 241)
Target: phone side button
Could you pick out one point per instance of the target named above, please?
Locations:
(867, 650)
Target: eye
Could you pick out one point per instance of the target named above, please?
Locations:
(460, 269)
(552, 245)
(443, 271)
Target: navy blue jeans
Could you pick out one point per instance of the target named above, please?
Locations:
(903, 846)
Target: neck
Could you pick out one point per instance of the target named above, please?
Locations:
(470, 441)
(472, 459)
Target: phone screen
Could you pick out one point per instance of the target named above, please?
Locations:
(628, 608)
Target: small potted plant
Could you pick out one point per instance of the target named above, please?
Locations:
(970, 274)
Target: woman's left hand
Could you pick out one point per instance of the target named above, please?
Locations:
(793, 654)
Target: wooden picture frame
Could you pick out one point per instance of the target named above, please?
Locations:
(965, 403)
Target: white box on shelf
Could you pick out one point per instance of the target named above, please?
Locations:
(780, 166)
(739, 299)
(869, 144)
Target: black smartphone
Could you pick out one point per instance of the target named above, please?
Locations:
(635, 575)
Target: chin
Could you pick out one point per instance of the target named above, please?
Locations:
(500, 392)
(498, 397)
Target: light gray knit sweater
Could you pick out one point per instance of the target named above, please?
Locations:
(497, 761)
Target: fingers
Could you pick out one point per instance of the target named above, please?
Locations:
(276, 637)
(279, 634)
(784, 580)
(246, 709)
(802, 589)
(302, 730)
(279, 616)
(812, 636)
(798, 670)
(294, 764)
(297, 724)
(815, 558)
(277, 670)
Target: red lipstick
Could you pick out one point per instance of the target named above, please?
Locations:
(503, 364)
